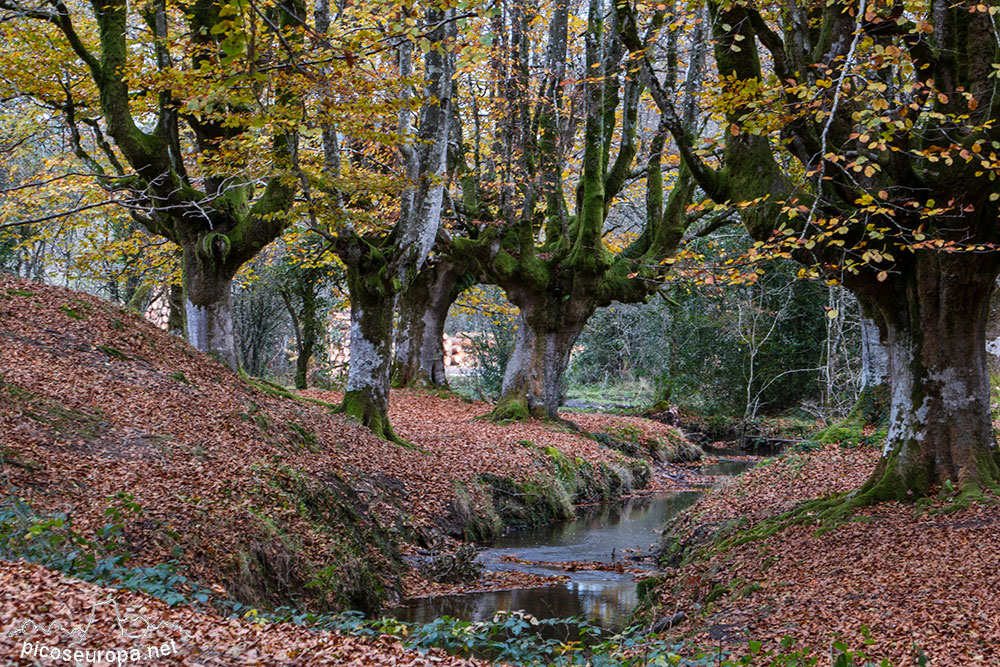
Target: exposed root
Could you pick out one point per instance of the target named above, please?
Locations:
(357, 408)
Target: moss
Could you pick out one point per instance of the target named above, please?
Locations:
(62, 420)
(179, 376)
(532, 502)
(717, 592)
(276, 390)
(113, 353)
(303, 437)
(75, 313)
(510, 409)
(20, 292)
(871, 409)
(645, 589)
(12, 458)
(358, 408)
(358, 568)
(476, 523)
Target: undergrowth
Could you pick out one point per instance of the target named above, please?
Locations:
(52, 541)
(518, 638)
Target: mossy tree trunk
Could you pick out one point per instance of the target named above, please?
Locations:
(939, 417)
(534, 379)
(381, 266)
(221, 218)
(423, 309)
(208, 304)
(175, 318)
(556, 267)
(373, 298)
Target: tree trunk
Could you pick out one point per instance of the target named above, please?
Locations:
(367, 396)
(873, 400)
(533, 382)
(993, 334)
(302, 365)
(939, 419)
(175, 318)
(208, 307)
(423, 309)
(874, 355)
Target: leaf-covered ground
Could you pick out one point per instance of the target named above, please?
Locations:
(261, 498)
(919, 579)
(42, 602)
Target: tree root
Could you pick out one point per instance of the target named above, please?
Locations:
(354, 408)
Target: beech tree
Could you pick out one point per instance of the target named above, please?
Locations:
(542, 238)
(382, 260)
(423, 309)
(186, 114)
(860, 138)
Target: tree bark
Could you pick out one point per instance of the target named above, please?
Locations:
(423, 309)
(874, 355)
(208, 305)
(175, 319)
(366, 399)
(993, 334)
(303, 292)
(302, 364)
(939, 419)
(533, 382)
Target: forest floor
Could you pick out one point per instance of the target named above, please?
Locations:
(35, 598)
(919, 579)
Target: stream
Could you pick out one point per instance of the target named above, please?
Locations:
(617, 531)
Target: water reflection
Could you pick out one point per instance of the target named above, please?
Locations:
(606, 603)
(726, 467)
(599, 534)
(604, 534)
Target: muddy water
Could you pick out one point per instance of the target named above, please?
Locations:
(606, 534)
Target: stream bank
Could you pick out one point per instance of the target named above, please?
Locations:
(598, 556)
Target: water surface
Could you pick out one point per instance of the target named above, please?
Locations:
(606, 534)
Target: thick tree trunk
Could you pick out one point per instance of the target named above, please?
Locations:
(367, 396)
(533, 382)
(939, 420)
(208, 307)
(423, 309)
